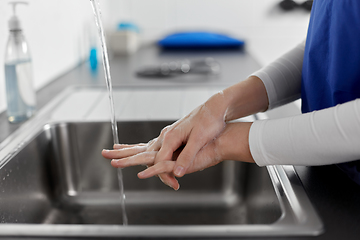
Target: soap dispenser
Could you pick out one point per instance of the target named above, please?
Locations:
(20, 93)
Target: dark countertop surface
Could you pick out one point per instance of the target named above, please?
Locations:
(335, 197)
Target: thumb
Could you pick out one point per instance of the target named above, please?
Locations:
(206, 157)
(186, 158)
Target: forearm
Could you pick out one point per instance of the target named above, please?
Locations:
(240, 100)
(272, 86)
(246, 98)
(322, 137)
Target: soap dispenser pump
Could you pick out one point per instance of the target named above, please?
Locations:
(20, 94)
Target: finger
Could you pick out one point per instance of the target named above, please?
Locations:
(186, 157)
(124, 152)
(121, 146)
(159, 168)
(144, 158)
(169, 180)
(172, 140)
(162, 170)
(154, 144)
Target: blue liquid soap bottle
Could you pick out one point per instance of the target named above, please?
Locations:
(20, 94)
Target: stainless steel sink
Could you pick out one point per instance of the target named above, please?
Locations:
(55, 183)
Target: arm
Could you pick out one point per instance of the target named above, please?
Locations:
(207, 126)
(194, 133)
(322, 137)
(282, 78)
(281, 84)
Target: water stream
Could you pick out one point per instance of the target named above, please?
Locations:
(97, 12)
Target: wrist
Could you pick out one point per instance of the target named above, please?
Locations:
(245, 98)
(219, 103)
(233, 142)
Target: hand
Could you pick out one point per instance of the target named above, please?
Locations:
(196, 131)
(192, 133)
(232, 143)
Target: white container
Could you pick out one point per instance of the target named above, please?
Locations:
(123, 42)
(125, 39)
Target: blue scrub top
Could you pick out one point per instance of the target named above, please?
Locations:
(331, 67)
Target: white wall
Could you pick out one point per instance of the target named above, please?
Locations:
(58, 31)
(268, 31)
(55, 32)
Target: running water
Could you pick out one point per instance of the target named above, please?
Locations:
(96, 8)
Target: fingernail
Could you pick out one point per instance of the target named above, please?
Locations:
(116, 146)
(179, 171)
(106, 150)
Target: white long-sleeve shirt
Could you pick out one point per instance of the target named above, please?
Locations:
(322, 137)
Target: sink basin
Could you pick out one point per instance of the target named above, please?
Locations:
(54, 182)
